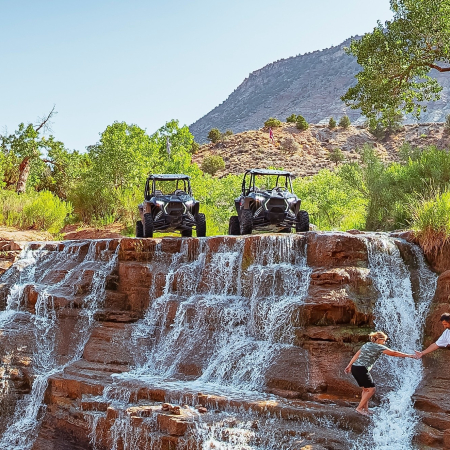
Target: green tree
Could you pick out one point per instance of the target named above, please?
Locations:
(214, 135)
(336, 156)
(331, 123)
(344, 122)
(292, 118)
(447, 124)
(272, 122)
(212, 164)
(25, 149)
(301, 123)
(397, 56)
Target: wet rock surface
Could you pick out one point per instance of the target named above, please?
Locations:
(94, 402)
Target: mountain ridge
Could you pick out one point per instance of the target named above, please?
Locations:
(309, 84)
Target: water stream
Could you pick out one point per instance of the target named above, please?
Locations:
(401, 317)
(32, 269)
(216, 325)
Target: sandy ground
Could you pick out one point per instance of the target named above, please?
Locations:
(70, 232)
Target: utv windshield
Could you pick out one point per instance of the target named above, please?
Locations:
(254, 182)
(158, 187)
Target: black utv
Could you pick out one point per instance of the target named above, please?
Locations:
(267, 202)
(169, 206)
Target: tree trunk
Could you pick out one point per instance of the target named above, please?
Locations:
(24, 171)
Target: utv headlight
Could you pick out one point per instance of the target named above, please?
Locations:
(189, 203)
(292, 200)
(160, 203)
(260, 198)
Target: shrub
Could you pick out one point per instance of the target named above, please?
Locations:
(301, 123)
(227, 133)
(344, 122)
(336, 156)
(290, 144)
(291, 119)
(431, 221)
(272, 122)
(38, 210)
(331, 123)
(212, 164)
(194, 147)
(214, 135)
(447, 124)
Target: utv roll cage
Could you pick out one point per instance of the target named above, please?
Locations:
(150, 185)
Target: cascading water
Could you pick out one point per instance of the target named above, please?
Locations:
(402, 317)
(32, 269)
(236, 316)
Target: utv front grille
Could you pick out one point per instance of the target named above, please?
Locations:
(276, 205)
(175, 208)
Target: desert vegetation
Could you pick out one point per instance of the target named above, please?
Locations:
(105, 184)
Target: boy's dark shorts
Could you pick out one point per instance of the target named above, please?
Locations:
(362, 376)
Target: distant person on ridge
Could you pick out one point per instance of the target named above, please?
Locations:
(362, 362)
(443, 341)
(271, 134)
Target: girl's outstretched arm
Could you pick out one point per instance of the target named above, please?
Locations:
(390, 352)
(355, 357)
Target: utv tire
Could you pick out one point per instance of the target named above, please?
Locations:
(200, 220)
(148, 225)
(302, 221)
(246, 221)
(139, 229)
(234, 228)
(186, 233)
(285, 230)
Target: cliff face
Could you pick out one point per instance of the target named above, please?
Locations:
(177, 343)
(310, 84)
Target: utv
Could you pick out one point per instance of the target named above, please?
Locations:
(169, 206)
(272, 206)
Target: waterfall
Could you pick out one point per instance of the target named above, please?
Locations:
(402, 318)
(36, 267)
(235, 313)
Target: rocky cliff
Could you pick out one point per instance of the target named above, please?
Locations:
(225, 341)
(310, 84)
(304, 153)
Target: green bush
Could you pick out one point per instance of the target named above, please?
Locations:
(227, 134)
(447, 124)
(331, 123)
(336, 156)
(301, 123)
(344, 122)
(431, 221)
(292, 118)
(272, 122)
(212, 164)
(195, 147)
(214, 135)
(36, 210)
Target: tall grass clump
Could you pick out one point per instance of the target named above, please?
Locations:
(35, 210)
(431, 222)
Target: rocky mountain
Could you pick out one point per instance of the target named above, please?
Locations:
(305, 153)
(311, 85)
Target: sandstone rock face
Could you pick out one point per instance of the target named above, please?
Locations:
(142, 336)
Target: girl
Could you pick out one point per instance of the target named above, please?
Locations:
(363, 361)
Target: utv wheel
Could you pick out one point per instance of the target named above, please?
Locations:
(148, 225)
(302, 221)
(246, 221)
(200, 220)
(186, 233)
(285, 230)
(139, 229)
(234, 228)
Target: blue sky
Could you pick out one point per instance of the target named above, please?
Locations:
(147, 62)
